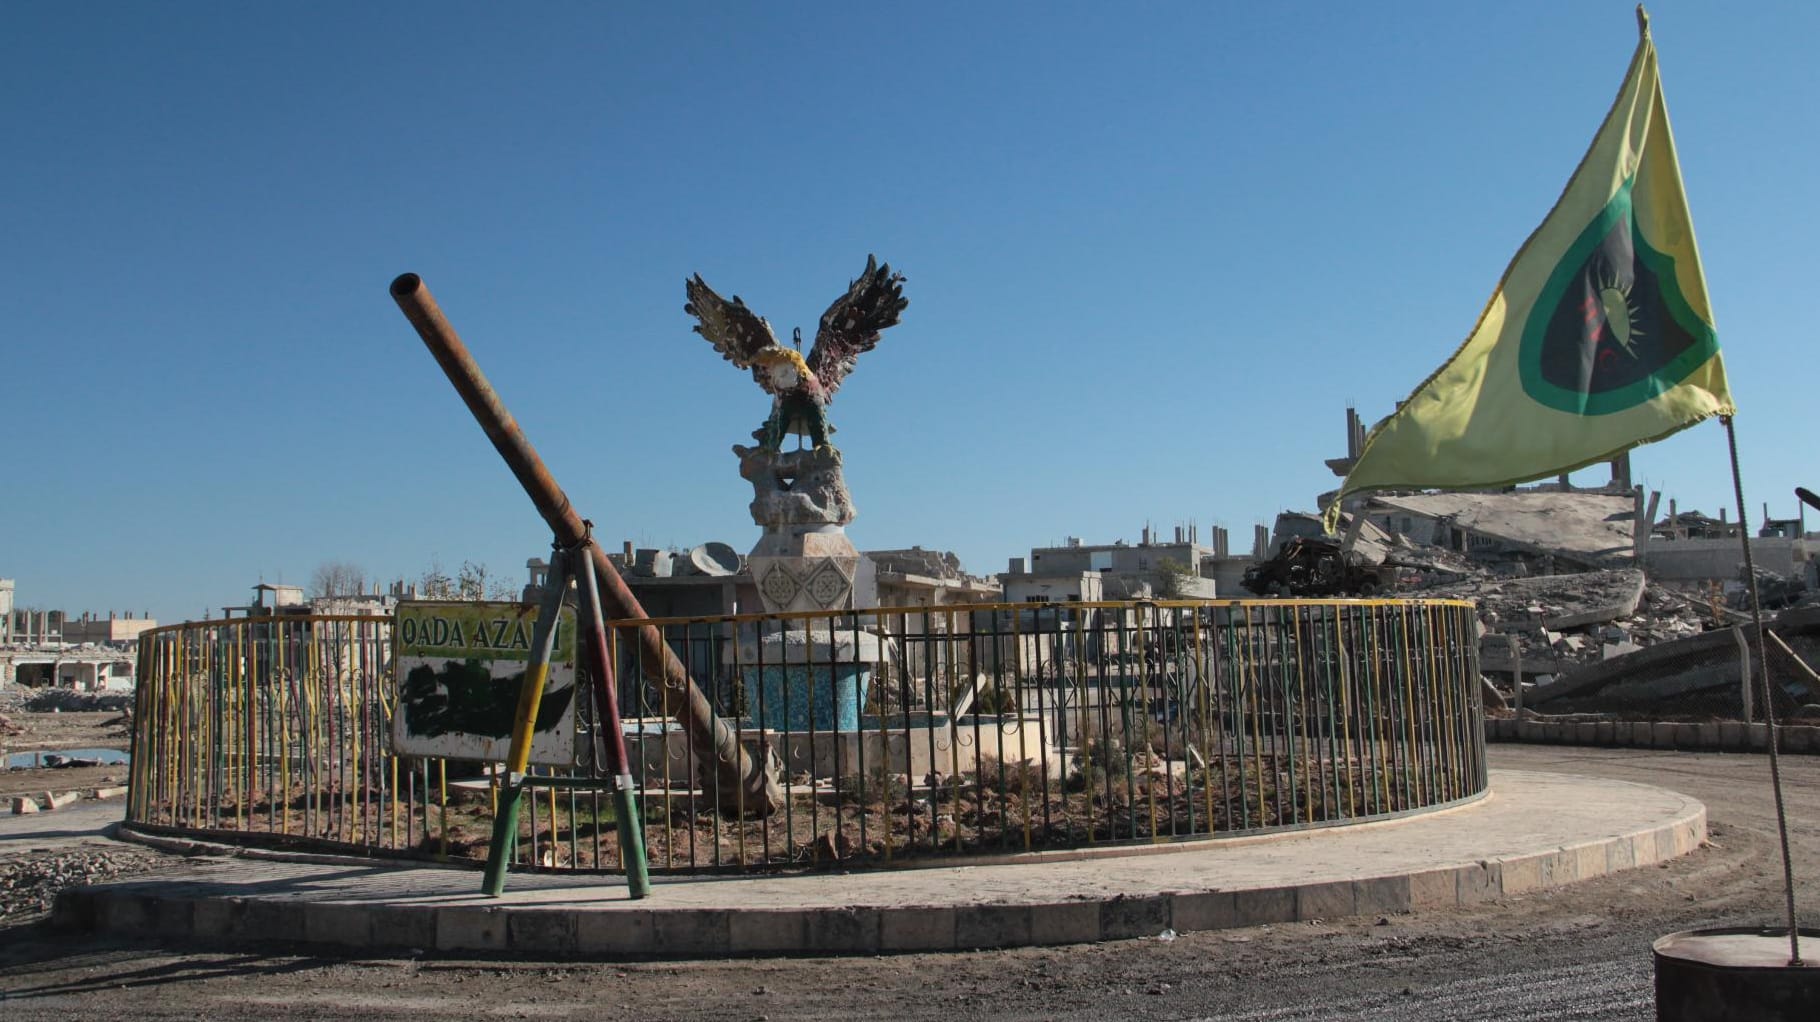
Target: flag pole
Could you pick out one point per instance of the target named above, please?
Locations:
(1769, 704)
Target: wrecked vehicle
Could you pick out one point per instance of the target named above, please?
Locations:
(1312, 566)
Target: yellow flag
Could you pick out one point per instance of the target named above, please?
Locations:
(1598, 339)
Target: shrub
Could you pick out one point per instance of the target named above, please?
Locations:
(873, 787)
(1021, 778)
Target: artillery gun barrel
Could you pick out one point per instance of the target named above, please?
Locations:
(745, 783)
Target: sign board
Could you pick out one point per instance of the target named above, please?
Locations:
(460, 666)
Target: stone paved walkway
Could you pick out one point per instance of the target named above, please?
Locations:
(1535, 830)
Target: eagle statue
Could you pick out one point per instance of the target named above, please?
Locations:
(800, 389)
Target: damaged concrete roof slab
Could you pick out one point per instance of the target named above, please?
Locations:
(1596, 529)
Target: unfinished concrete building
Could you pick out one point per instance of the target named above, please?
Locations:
(48, 647)
(118, 630)
(927, 578)
(1688, 546)
(1112, 571)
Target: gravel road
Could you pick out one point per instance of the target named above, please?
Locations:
(1580, 952)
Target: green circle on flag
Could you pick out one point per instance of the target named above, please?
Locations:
(1611, 329)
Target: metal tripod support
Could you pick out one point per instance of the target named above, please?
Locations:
(569, 562)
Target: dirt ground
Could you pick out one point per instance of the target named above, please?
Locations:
(37, 782)
(1576, 952)
(33, 868)
(73, 730)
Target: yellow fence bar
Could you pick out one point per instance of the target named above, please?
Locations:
(1089, 723)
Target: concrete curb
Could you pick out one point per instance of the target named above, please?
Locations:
(1712, 736)
(51, 801)
(376, 906)
(200, 845)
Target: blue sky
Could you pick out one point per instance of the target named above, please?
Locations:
(1153, 252)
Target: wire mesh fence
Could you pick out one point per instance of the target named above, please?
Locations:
(894, 734)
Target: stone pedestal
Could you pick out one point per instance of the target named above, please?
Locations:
(804, 568)
(797, 680)
(810, 673)
(804, 561)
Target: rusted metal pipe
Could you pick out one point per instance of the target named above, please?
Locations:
(745, 783)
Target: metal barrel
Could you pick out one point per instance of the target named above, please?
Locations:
(1735, 974)
(745, 783)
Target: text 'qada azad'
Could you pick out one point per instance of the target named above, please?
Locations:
(460, 669)
(494, 631)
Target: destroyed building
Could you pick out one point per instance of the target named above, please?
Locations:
(1687, 546)
(1574, 585)
(1546, 532)
(52, 647)
(927, 578)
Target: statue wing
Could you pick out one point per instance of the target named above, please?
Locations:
(736, 332)
(855, 320)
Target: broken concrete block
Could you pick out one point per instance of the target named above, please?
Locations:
(114, 791)
(1617, 649)
(59, 799)
(23, 804)
(1490, 692)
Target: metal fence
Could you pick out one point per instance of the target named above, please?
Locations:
(926, 732)
(275, 726)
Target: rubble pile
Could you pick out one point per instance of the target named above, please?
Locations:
(1541, 598)
(63, 700)
(28, 886)
(1613, 642)
(1773, 590)
(1560, 621)
(1425, 565)
(939, 564)
(1664, 614)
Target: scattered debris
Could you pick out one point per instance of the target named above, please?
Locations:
(1566, 605)
(1312, 566)
(28, 886)
(1552, 602)
(1675, 670)
(65, 700)
(55, 761)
